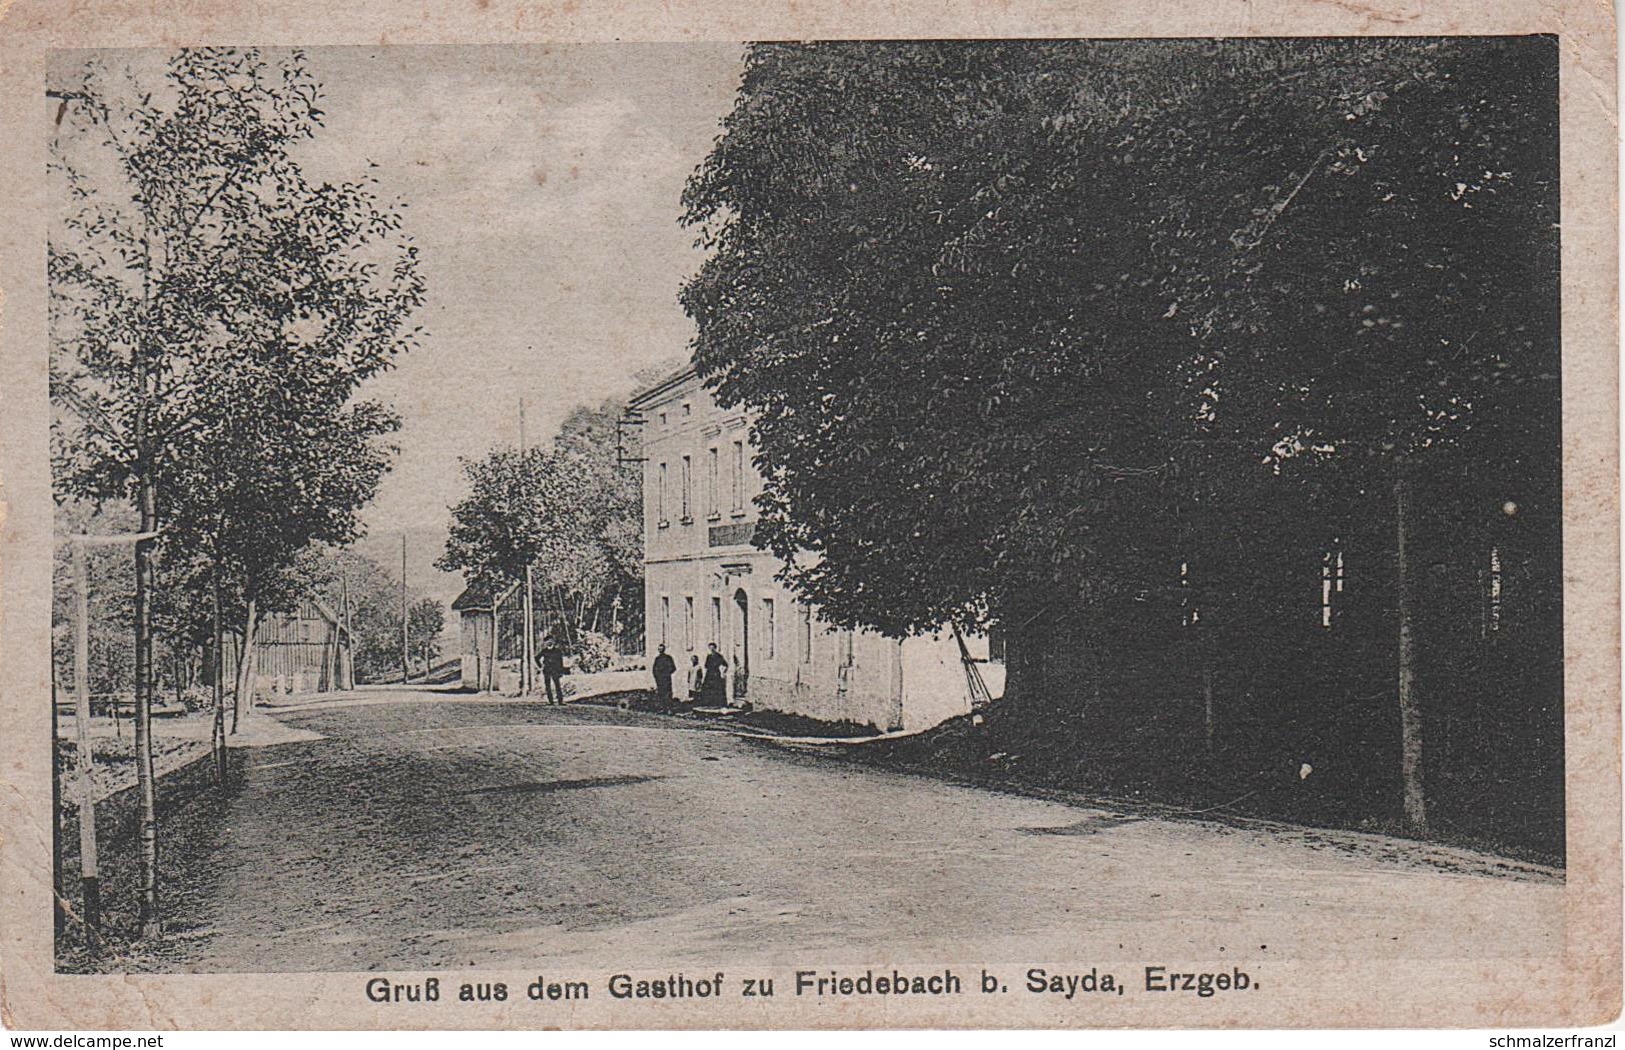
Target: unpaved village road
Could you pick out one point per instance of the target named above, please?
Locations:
(423, 831)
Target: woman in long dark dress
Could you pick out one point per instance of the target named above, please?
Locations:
(714, 692)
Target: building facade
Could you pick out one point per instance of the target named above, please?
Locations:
(303, 651)
(705, 582)
(481, 650)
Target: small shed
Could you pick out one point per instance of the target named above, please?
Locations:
(304, 650)
(476, 609)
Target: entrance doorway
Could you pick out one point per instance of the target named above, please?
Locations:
(741, 646)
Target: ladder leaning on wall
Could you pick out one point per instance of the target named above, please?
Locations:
(980, 697)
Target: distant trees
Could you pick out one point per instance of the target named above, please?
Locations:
(424, 622)
(1042, 336)
(213, 313)
(367, 597)
(610, 598)
(570, 513)
(526, 511)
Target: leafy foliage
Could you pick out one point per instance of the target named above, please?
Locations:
(424, 621)
(612, 589)
(995, 305)
(524, 508)
(214, 312)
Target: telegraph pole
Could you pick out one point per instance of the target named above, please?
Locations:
(89, 874)
(148, 821)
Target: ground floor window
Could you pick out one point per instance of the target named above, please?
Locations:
(1492, 594)
(1331, 585)
(665, 618)
(770, 632)
(688, 622)
(716, 620)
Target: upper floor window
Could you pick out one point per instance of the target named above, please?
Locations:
(739, 476)
(662, 419)
(688, 488)
(660, 496)
(712, 509)
(688, 409)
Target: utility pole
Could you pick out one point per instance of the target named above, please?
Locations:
(148, 821)
(406, 667)
(89, 874)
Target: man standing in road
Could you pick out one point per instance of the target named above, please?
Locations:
(664, 669)
(551, 657)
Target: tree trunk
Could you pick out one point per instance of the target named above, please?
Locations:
(1027, 666)
(1410, 715)
(1207, 710)
(496, 623)
(219, 668)
(406, 642)
(527, 648)
(147, 499)
(243, 701)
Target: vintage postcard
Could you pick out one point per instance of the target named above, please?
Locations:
(707, 516)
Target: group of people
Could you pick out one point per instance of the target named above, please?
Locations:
(707, 682)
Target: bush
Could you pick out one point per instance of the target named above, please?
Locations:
(596, 654)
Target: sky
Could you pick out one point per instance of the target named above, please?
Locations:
(542, 188)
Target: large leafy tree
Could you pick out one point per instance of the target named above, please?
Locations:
(1384, 311)
(1023, 324)
(272, 474)
(949, 330)
(212, 309)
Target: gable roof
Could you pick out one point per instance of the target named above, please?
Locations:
(477, 596)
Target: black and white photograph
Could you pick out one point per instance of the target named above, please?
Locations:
(902, 528)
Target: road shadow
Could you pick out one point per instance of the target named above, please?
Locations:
(547, 787)
(1087, 826)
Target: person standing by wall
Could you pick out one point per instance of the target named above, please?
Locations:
(714, 691)
(664, 669)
